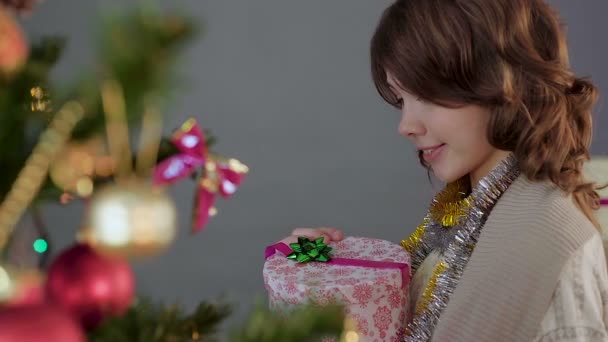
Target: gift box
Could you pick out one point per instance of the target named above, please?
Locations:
(369, 277)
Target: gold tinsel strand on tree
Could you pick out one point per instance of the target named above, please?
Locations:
(34, 173)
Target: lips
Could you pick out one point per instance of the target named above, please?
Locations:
(432, 152)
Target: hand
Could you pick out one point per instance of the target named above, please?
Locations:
(330, 234)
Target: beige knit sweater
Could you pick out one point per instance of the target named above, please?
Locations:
(509, 280)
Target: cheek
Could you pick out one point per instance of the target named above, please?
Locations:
(472, 130)
(453, 131)
(476, 134)
(461, 127)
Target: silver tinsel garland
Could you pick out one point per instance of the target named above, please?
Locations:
(456, 244)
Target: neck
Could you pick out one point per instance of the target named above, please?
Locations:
(487, 166)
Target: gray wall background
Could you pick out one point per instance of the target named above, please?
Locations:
(285, 86)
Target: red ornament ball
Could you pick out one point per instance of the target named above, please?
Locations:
(89, 285)
(21, 287)
(38, 323)
(13, 46)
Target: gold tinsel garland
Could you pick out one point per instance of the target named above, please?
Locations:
(413, 240)
(455, 244)
(452, 204)
(448, 207)
(427, 294)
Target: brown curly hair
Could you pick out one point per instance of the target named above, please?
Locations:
(507, 55)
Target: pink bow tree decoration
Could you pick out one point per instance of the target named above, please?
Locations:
(219, 175)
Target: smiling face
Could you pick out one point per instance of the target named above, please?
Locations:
(453, 141)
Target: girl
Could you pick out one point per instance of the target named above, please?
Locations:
(510, 249)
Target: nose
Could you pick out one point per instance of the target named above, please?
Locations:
(410, 126)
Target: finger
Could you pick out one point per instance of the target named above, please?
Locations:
(308, 232)
(334, 233)
(294, 238)
(326, 237)
(331, 234)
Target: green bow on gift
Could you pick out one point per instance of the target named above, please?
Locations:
(305, 250)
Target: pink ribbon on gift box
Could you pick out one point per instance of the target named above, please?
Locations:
(221, 176)
(404, 268)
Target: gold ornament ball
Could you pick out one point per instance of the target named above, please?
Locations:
(130, 220)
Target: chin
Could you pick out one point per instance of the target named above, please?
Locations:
(447, 175)
(445, 179)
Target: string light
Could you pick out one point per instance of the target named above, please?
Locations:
(40, 246)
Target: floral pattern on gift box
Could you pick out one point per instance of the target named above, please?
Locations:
(363, 294)
(361, 323)
(375, 298)
(395, 299)
(382, 320)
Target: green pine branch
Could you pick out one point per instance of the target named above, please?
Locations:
(138, 49)
(149, 321)
(306, 323)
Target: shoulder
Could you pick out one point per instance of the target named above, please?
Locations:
(540, 197)
(579, 303)
(540, 207)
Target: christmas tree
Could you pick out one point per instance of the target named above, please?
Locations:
(72, 142)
